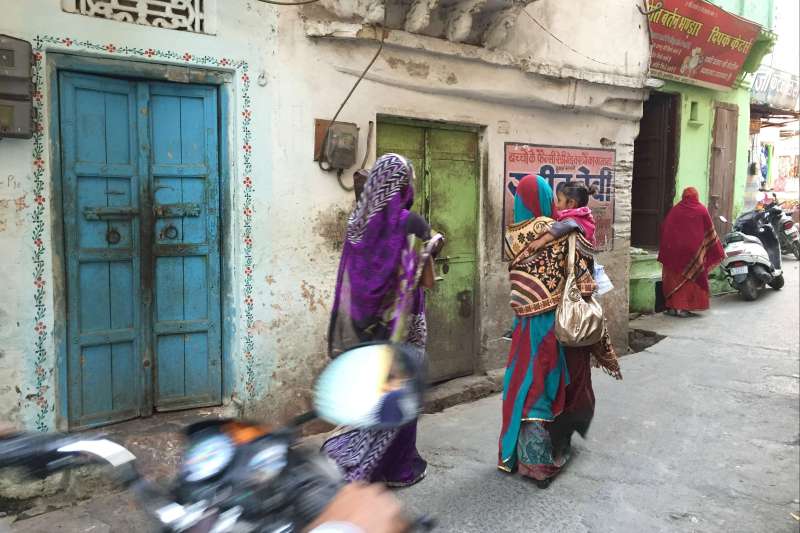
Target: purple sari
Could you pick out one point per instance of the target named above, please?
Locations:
(366, 289)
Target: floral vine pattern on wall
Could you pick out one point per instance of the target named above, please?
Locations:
(42, 396)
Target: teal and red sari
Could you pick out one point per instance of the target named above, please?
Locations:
(536, 378)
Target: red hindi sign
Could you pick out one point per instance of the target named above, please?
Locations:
(697, 42)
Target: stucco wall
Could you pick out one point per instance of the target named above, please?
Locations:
(286, 216)
(509, 105)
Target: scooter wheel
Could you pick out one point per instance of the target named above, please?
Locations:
(748, 290)
(777, 283)
(796, 250)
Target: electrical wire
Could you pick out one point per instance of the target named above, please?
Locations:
(563, 43)
(369, 144)
(347, 98)
(358, 81)
(647, 12)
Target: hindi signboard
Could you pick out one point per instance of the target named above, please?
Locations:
(562, 164)
(696, 42)
(775, 88)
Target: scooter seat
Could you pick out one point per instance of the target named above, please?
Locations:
(738, 236)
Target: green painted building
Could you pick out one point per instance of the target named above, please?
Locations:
(692, 136)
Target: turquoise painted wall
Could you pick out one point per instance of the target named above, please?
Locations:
(694, 147)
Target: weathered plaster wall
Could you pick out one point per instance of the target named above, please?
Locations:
(33, 297)
(417, 77)
(585, 39)
(287, 217)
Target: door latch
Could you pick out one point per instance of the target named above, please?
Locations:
(176, 210)
(110, 213)
(445, 262)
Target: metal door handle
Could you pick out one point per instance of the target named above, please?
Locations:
(176, 210)
(110, 213)
(445, 261)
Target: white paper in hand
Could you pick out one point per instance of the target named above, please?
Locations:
(602, 280)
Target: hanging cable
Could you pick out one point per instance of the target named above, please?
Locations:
(341, 183)
(369, 144)
(647, 12)
(358, 81)
(344, 102)
(551, 34)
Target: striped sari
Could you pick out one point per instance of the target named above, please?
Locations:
(536, 373)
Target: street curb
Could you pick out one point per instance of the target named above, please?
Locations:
(463, 390)
(441, 397)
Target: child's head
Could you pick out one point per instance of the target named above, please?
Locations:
(574, 194)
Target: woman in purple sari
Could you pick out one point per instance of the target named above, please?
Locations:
(372, 265)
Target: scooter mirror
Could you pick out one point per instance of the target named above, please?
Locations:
(371, 386)
(722, 218)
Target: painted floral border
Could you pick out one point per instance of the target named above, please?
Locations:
(43, 43)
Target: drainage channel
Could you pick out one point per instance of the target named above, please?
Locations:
(642, 339)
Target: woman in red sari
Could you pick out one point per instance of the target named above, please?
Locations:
(689, 250)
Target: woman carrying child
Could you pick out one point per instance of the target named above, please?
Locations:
(543, 439)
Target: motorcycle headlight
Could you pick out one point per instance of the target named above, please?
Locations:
(207, 458)
(268, 462)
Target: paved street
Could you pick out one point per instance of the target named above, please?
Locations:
(702, 435)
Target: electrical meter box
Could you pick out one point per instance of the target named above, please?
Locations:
(16, 113)
(341, 145)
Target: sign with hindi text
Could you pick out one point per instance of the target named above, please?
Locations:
(563, 164)
(699, 43)
(776, 89)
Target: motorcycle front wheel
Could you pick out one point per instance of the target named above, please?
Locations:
(748, 290)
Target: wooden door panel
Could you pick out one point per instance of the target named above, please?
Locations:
(409, 142)
(723, 166)
(101, 171)
(186, 246)
(446, 163)
(141, 210)
(653, 169)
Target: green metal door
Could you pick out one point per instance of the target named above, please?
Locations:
(446, 163)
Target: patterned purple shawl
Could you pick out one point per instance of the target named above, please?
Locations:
(376, 237)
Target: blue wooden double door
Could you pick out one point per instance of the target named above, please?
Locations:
(141, 218)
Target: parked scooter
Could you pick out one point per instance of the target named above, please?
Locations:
(752, 255)
(246, 477)
(785, 228)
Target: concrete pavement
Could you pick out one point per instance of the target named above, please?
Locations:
(702, 435)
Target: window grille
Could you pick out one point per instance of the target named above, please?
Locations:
(184, 15)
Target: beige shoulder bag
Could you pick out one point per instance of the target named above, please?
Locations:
(579, 322)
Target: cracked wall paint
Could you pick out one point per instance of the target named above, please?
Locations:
(31, 384)
(287, 217)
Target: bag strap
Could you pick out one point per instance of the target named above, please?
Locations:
(571, 258)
